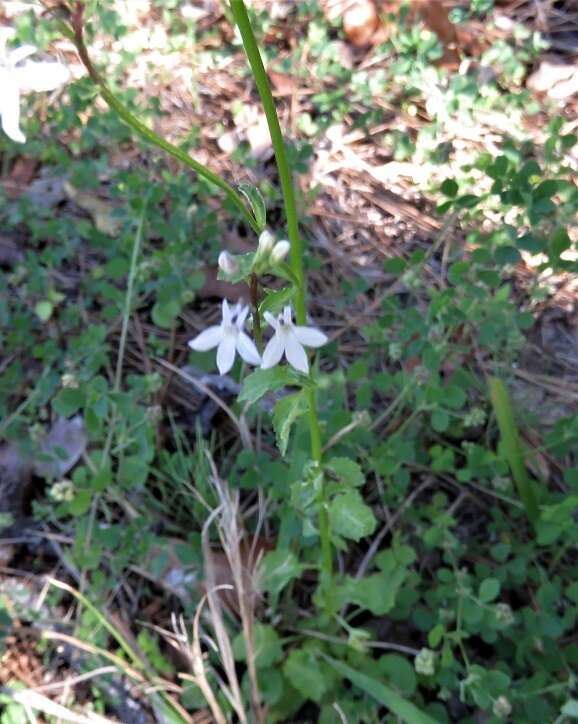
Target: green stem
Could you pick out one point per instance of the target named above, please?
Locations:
(254, 56)
(254, 298)
(296, 255)
(154, 138)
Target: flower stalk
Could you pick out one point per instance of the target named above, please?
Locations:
(144, 131)
(296, 258)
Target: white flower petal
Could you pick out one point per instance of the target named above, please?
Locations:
(227, 263)
(226, 353)
(241, 317)
(266, 242)
(207, 339)
(227, 313)
(41, 77)
(19, 54)
(310, 337)
(287, 316)
(296, 355)
(270, 319)
(10, 107)
(247, 349)
(280, 251)
(273, 351)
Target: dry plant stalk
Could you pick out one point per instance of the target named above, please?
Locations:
(242, 573)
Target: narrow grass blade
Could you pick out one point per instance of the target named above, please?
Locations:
(382, 693)
(512, 446)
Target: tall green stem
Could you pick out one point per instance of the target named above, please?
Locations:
(262, 82)
(296, 254)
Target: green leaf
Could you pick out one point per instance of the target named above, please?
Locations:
(44, 310)
(279, 567)
(303, 671)
(256, 202)
(80, 504)
(266, 643)
(395, 265)
(489, 590)
(545, 190)
(164, 313)
(350, 517)
(512, 447)
(377, 593)
(68, 401)
(285, 413)
(440, 420)
(132, 472)
(384, 694)
(436, 635)
(260, 382)
(348, 471)
(399, 672)
(276, 299)
(572, 592)
(467, 201)
(507, 255)
(449, 188)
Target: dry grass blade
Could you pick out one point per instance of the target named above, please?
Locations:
(232, 541)
(239, 423)
(199, 667)
(32, 700)
(217, 621)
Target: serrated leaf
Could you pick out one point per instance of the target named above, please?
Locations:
(278, 568)
(350, 517)
(285, 413)
(348, 471)
(256, 202)
(260, 382)
(376, 593)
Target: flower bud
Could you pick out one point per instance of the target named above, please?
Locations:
(227, 263)
(266, 242)
(502, 707)
(424, 662)
(280, 251)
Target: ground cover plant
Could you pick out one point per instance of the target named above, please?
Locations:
(288, 362)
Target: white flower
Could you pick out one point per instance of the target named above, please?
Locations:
(229, 338)
(266, 242)
(228, 263)
(17, 76)
(280, 251)
(289, 340)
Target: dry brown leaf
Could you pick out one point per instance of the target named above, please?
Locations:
(101, 211)
(360, 22)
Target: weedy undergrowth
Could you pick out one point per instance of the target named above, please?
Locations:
(370, 576)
